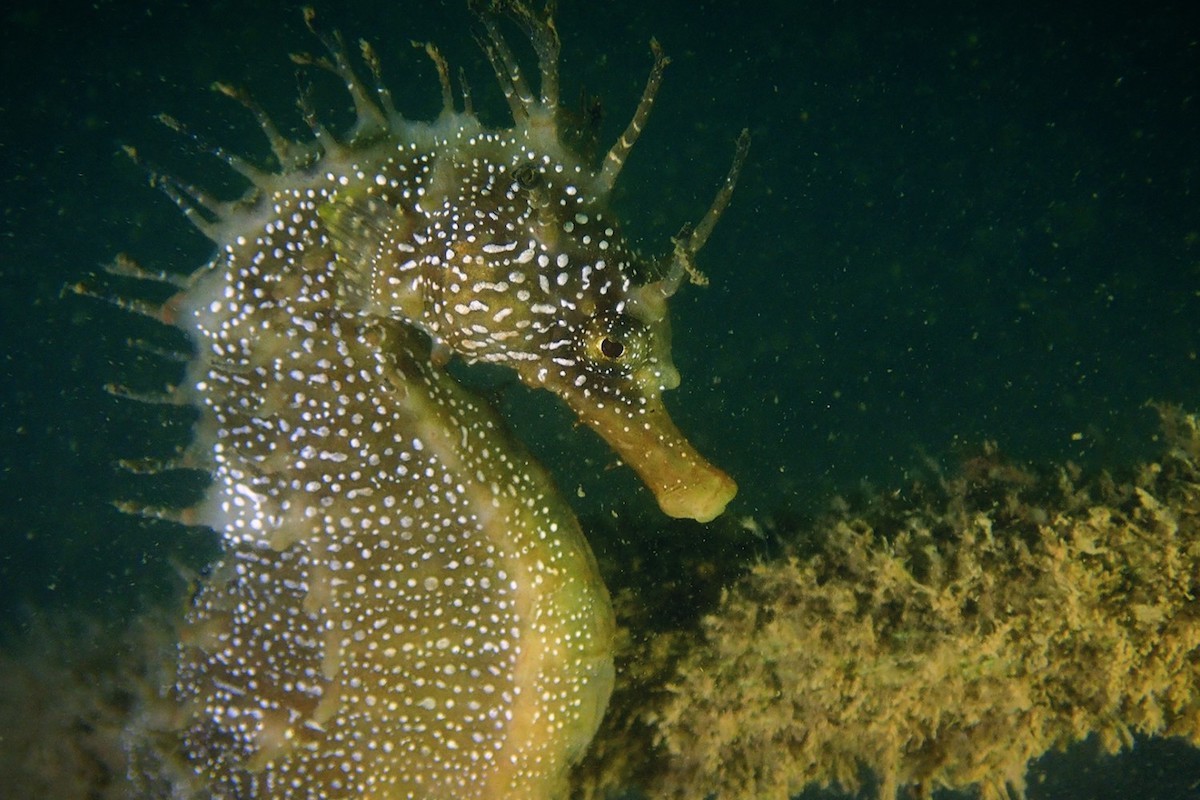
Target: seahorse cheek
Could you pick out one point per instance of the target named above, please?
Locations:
(660, 377)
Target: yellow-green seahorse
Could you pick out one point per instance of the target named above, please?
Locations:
(406, 607)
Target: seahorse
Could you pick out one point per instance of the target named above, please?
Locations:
(406, 607)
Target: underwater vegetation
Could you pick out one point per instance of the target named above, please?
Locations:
(942, 637)
(73, 688)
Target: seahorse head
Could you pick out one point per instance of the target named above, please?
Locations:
(501, 246)
(544, 282)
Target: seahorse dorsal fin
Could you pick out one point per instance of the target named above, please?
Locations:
(364, 232)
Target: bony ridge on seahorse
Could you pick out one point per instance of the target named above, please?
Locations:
(406, 607)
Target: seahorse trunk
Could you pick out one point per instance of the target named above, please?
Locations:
(422, 620)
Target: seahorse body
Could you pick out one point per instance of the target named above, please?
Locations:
(406, 607)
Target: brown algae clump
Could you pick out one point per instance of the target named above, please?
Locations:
(948, 639)
(78, 708)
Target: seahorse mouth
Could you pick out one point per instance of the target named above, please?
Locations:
(684, 483)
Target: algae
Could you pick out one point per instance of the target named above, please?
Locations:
(76, 706)
(943, 637)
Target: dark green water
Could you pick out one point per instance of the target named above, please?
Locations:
(959, 222)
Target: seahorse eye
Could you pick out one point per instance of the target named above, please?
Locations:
(614, 343)
(612, 348)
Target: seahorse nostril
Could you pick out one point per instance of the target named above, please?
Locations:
(527, 176)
